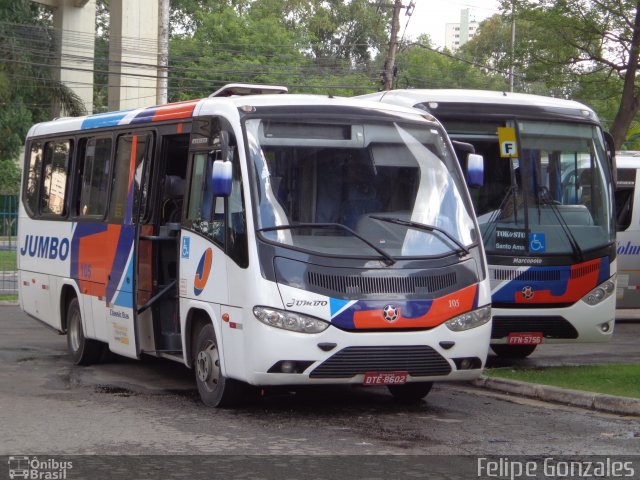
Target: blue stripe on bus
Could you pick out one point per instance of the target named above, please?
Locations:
(145, 116)
(110, 119)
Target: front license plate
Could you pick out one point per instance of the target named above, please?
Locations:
(385, 378)
(525, 338)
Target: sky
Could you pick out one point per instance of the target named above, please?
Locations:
(430, 16)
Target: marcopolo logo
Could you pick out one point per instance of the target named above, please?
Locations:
(38, 469)
(203, 271)
(628, 249)
(45, 247)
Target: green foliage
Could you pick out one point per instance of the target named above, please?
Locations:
(9, 177)
(420, 66)
(27, 88)
(567, 44)
(310, 47)
(632, 141)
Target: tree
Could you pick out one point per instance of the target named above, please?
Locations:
(307, 46)
(599, 39)
(421, 66)
(28, 90)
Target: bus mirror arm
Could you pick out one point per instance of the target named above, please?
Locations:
(611, 153)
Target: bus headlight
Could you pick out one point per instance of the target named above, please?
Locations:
(601, 292)
(294, 322)
(469, 320)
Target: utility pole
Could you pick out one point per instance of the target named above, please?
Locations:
(389, 64)
(513, 44)
(163, 53)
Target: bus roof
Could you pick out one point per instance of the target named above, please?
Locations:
(204, 106)
(504, 102)
(628, 159)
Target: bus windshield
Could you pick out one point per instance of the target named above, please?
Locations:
(554, 198)
(390, 189)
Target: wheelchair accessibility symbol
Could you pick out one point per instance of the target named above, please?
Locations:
(186, 243)
(537, 242)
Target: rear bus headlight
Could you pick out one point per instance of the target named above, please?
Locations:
(469, 320)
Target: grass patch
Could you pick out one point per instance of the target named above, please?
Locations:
(616, 379)
(7, 259)
(8, 298)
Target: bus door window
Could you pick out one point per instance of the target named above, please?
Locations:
(93, 177)
(55, 174)
(129, 192)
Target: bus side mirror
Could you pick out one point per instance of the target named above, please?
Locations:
(475, 170)
(221, 176)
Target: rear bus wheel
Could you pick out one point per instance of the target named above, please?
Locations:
(82, 350)
(215, 389)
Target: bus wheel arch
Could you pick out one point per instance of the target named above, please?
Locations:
(196, 320)
(82, 350)
(67, 293)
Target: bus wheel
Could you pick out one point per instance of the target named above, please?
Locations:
(513, 351)
(83, 351)
(410, 392)
(215, 389)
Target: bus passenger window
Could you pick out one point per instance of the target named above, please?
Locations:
(54, 179)
(32, 180)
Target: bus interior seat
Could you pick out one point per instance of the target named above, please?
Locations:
(174, 188)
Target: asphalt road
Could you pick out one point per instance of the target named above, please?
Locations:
(48, 405)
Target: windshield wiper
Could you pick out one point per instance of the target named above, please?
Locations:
(424, 227)
(389, 260)
(492, 223)
(545, 198)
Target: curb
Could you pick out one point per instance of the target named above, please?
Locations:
(577, 398)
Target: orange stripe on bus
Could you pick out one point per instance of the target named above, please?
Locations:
(442, 309)
(175, 111)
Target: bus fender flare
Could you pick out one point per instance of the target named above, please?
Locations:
(197, 317)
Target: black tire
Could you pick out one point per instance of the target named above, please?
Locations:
(82, 350)
(215, 389)
(410, 392)
(513, 351)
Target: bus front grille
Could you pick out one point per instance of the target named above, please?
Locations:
(356, 284)
(551, 327)
(418, 360)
